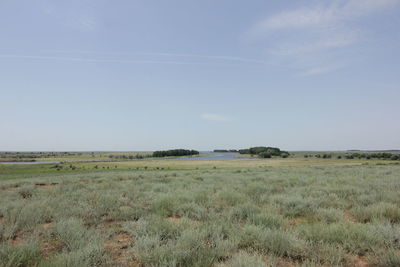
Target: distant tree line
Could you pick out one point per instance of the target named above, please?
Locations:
(357, 155)
(382, 155)
(20, 155)
(175, 152)
(33, 155)
(265, 152)
(225, 150)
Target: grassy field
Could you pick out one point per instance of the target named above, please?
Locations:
(249, 212)
(69, 156)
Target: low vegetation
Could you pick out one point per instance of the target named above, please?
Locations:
(265, 152)
(268, 216)
(175, 152)
(356, 155)
(71, 156)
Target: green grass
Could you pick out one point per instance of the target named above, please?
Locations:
(69, 156)
(20, 172)
(276, 215)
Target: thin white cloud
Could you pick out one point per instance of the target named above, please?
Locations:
(312, 34)
(84, 22)
(304, 17)
(229, 58)
(99, 60)
(318, 70)
(333, 41)
(78, 15)
(214, 117)
(324, 16)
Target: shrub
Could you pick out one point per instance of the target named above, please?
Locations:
(395, 157)
(74, 236)
(380, 210)
(284, 155)
(244, 259)
(278, 242)
(23, 255)
(329, 215)
(244, 212)
(90, 255)
(26, 191)
(165, 205)
(322, 253)
(295, 205)
(353, 237)
(191, 247)
(267, 220)
(229, 198)
(385, 257)
(265, 155)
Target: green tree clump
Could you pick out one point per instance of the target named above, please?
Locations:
(265, 152)
(175, 152)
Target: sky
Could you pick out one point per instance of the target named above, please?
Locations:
(143, 75)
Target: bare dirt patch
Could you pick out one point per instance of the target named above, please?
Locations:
(281, 262)
(9, 188)
(45, 186)
(175, 218)
(17, 240)
(294, 221)
(110, 224)
(49, 247)
(286, 263)
(19, 237)
(117, 246)
(349, 216)
(47, 225)
(359, 261)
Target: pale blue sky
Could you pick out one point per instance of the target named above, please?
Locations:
(145, 75)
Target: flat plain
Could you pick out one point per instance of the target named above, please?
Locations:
(241, 212)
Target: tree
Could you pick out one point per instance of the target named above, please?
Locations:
(175, 152)
(284, 155)
(265, 155)
(262, 151)
(395, 157)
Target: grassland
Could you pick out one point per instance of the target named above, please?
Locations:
(70, 156)
(248, 212)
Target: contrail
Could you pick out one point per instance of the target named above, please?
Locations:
(188, 55)
(97, 60)
(121, 61)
